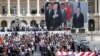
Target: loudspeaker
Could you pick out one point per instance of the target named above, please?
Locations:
(73, 30)
(91, 25)
(81, 30)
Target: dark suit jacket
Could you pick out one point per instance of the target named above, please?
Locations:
(78, 22)
(56, 22)
(48, 19)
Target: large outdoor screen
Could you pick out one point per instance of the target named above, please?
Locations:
(65, 15)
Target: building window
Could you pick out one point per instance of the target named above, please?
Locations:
(23, 23)
(33, 23)
(33, 10)
(91, 7)
(4, 10)
(12, 23)
(42, 10)
(23, 10)
(42, 3)
(13, 10)
(4, 23)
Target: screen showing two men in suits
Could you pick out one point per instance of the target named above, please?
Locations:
(65, 15)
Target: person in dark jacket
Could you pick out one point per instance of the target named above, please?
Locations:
(48, 17)
(78, 19)
(56, 17)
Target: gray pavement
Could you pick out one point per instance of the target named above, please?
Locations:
(37, 53)
(95, 42)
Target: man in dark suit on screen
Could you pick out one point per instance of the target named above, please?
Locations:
(56, 17)
(78, 19)
(48, 17)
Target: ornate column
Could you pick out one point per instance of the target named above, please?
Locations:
(99, 6)
(95, 6)
(38, 8)
(8, 8)
(9, 23)
(18, 8)
(28, 8)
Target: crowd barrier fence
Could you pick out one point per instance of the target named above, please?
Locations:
(63, 53)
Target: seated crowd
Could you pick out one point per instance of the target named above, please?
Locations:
(47, 43)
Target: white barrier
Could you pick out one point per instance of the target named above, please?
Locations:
(32, 32)
(58, 53)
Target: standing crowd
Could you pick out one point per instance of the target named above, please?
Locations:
(47, 43)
